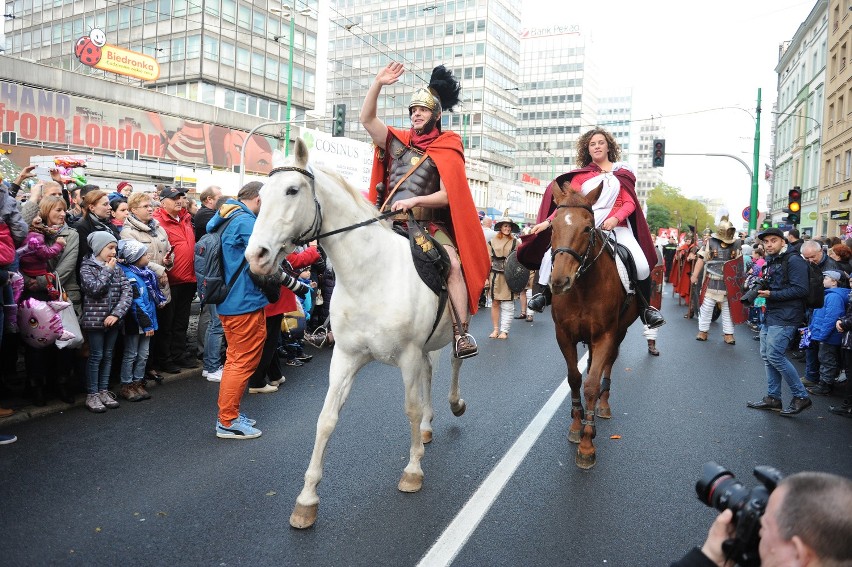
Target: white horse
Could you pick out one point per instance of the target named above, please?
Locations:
(381, 308)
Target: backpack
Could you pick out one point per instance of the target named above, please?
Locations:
(209, 265)
(816, 289)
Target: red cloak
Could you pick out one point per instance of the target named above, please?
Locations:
(448, 154)
(530, 256)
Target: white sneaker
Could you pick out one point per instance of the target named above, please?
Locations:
(268, 389)
(278, 382)
(213, 376)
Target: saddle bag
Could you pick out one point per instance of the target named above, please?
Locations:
(430, 258)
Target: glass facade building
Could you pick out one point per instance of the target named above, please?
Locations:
(234, 54)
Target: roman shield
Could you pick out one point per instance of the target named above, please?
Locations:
(734, 274)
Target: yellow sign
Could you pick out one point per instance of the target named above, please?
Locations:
(92, 50)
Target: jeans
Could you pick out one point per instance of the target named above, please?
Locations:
(213, 341)
(101, 343)
(172, 321)
(812, 362)
(774, 340)
(135, 357)
(829, 363)
(268, 368)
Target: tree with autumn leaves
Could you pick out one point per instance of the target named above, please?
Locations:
(667, 207)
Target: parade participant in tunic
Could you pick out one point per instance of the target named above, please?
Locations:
(722, 246)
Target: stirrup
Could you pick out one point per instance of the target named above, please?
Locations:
(653, 318)
(464, 346)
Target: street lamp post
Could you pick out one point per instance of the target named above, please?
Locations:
(752, 217)
(290, 80)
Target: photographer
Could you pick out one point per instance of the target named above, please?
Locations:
(806, 524)
(786, 276)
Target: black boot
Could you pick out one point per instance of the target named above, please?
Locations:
(650, 316)
(541, 300)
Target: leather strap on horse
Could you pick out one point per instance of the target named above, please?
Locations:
(404, 177)
(444, 292)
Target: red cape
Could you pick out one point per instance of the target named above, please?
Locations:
(448, 154)
(637, 218)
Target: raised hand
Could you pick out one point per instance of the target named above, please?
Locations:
(390, 74)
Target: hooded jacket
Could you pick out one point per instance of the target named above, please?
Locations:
(823, 319)
(244, 296)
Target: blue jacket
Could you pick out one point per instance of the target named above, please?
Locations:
(785, 305)
(244, 297)
(823, 319)
(143, 307)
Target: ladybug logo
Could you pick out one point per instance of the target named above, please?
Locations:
(88, 49)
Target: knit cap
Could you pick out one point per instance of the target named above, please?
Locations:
(131, 250)
(98, 241)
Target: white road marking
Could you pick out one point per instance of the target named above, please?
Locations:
(456, 534)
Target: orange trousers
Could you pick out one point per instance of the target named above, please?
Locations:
(245, 335)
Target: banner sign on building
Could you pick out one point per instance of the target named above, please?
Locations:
(839, 215)
(61, 120)
(351, 159)
(94, 51)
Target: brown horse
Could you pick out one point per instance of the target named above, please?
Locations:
(589, 305)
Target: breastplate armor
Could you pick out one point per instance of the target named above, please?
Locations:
(716, 256)
(423, 181)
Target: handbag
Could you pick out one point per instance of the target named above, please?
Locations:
(70, 323)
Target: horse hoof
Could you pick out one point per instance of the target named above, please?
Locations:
(585, 462)
(458, 409)
(303, 516)
(426, 437)
(604, 413)
(410, 482)
(573, 436)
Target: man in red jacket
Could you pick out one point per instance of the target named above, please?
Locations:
(170, 350)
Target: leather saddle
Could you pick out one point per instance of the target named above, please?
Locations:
(430, 258)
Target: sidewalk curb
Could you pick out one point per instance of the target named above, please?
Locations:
(55, 406)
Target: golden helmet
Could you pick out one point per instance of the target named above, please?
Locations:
(426, 98)
(726, 231)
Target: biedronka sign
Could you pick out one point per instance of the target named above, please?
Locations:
(94, 51)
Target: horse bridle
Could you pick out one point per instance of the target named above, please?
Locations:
(583, 259)
(313, 230)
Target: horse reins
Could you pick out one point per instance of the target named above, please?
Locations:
(583, 259)
(313, 230)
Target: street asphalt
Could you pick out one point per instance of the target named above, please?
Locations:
(150, 484)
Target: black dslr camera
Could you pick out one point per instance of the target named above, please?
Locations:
(718, 488)
(751, 293)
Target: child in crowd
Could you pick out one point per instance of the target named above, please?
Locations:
(120, 212)
(42, 244)
(107, 296)
(823, 328)
(140, 327)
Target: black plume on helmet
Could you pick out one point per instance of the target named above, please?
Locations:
(445, 86)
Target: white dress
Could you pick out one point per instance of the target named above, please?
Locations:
(601, 209)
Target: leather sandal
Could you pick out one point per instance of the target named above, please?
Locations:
(702, 336)
(729, 340)
(494, 334)
(503, 336)
(521, 316)
(652, 348)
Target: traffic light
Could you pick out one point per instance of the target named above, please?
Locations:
(339, 124)
(794, 206)
(765, 224)
(658, 156)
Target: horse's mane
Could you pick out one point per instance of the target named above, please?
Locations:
(356, 195)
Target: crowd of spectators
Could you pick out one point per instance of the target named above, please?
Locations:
(124, 260)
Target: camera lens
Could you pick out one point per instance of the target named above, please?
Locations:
(718, 488)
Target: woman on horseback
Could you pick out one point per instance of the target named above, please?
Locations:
(617, 210)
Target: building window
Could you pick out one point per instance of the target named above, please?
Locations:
(229, 11)
(228, 53)
(242, 59)
(837, 177)
(193, 47)
(211, 48)
(848, 165)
